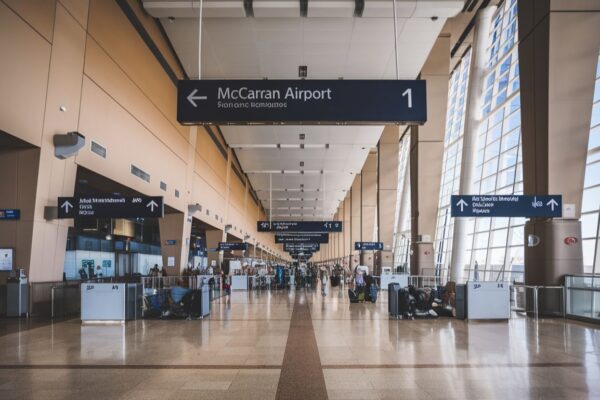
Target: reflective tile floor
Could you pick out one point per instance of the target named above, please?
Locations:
(299, 345)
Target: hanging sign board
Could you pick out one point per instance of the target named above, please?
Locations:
(302, 238)
(232, 246)
(301, 247)
(301, 101)
(506, 206)
(110, 207)
(10, 214)
(368, 246)
(299, 226)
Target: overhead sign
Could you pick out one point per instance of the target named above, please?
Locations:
(301, 247)
(301, 101)
(10, 214)
(233, 246)
(299, 226)
(110, 207)
(368, 246)
(302, 238)
(507, 206)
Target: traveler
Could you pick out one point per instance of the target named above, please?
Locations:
(324, 282)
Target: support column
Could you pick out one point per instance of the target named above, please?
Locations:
(426, 153)
(213, 237)
(355, 219)
(347, 227)
(388, 153)
(473, 117)
(368, 214)
(57, 177)
(174, 227)
(558, 55)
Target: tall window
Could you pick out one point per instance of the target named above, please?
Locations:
(591, 193)
(402, 229)
(451, 165)
(495, 245)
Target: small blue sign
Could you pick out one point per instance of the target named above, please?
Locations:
(232, 246)
(170, 242)
(507, 206)
(368, 246)
(10, 214)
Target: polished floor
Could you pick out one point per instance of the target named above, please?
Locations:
(299, 345)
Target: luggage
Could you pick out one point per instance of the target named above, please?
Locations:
(373, 293)
(404, 304)
(353, 296)
(393, 289)
(361, 296)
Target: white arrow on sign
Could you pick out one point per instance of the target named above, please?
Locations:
(152, 204)
(462, 204)
(193, 97)
(66, 205)
(552, 203)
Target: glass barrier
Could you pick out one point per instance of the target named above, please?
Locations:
(583, 296)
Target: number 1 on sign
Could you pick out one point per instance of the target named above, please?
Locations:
(408, 94)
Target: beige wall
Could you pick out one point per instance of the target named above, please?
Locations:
(87, 57)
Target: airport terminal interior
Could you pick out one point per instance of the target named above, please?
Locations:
(299, 199)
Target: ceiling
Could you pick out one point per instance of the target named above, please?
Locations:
(272, 43)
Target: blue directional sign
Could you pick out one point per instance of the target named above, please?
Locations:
(368, 246)
(232, 246)
(299, 226)
(507, 206)
(308, 237)
(10, 214)
(301, 101)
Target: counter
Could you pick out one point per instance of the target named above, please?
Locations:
(104, 302)
(239, 282)
(488, 300)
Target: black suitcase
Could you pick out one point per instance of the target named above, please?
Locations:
(404, 306)
(393, 289)
(352, 296)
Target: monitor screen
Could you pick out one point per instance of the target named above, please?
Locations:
(6, 259)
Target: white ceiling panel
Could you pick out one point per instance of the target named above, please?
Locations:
(332, 44)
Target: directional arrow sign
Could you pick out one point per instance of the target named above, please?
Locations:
(301, 101)
(110, 207)
(368, 246)
(547, 206)
(192, 98)
(285, 237)
(299, 226)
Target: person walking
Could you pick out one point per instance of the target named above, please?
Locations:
(324, 283)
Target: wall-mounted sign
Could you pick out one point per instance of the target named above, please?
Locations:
(368, 246)
(10, 214)
(507, 206)
(299, 226)
(301, 247)
(232, 246)
(170, 242)
(110, 207)
(7, 257)
(301, 101)
(301, 237)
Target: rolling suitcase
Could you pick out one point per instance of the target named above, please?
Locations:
(352, 296)
(393, 289)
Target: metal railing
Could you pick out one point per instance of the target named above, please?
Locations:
(421, 281)
(520, 293)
